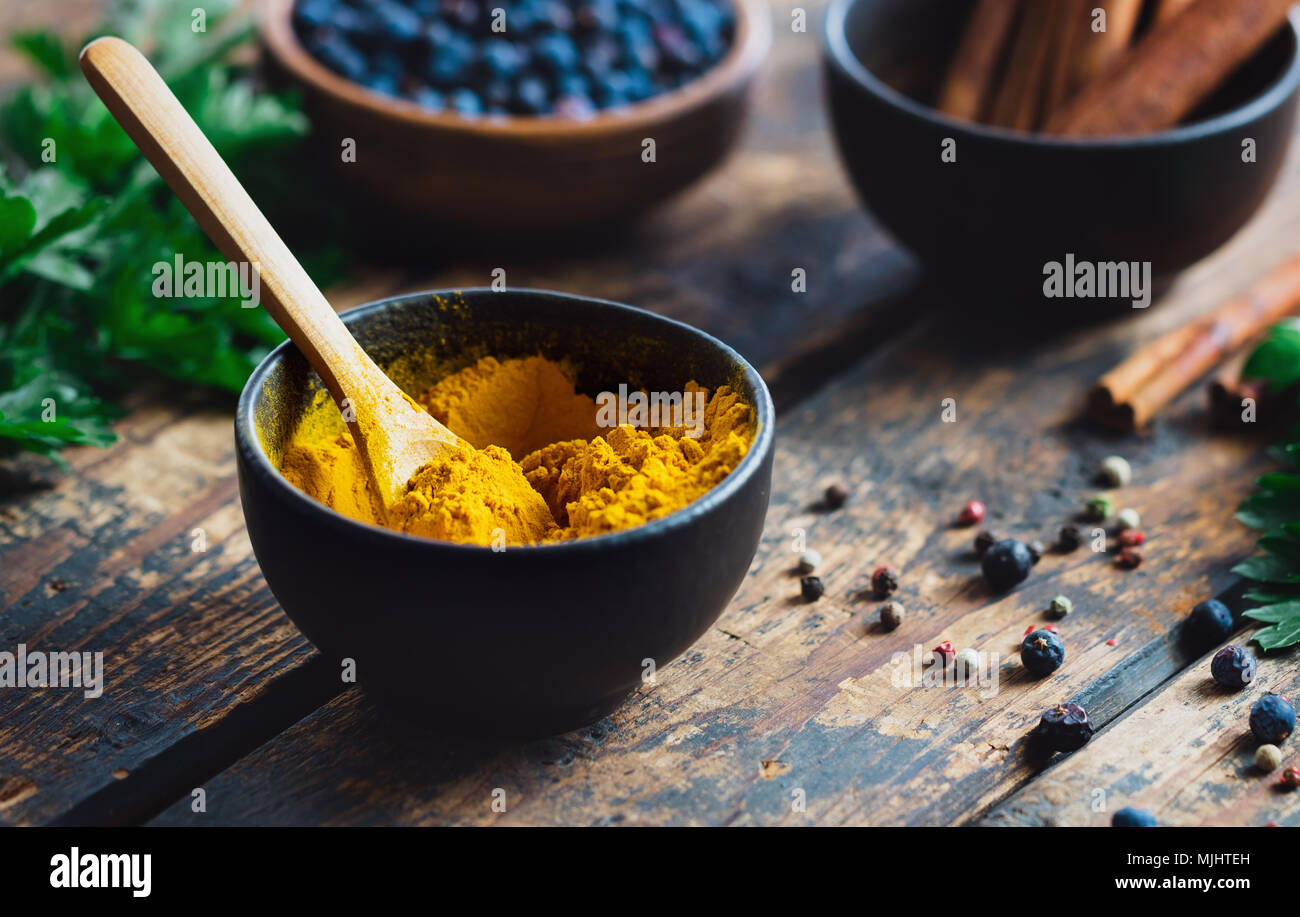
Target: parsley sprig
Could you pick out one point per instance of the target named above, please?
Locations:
(1274, 508)
(83, 219)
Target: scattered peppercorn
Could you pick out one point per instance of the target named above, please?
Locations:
(1099, 508)
(1291, 777)
(891, 614)
(1268, 758)
(968, 662)
(1060, 607)
(884, 582)
(1006, 564)
(945, 652)
(1051, 628)
(1129, 817)
(1272, 718)
(1128, 519)
(1042, 652)
(984, 540)
(1209, 622)
(1129, 559)
(809, 561)
(1233, 667)
(1069, 538)
(1063, 728)
(1115, 471)
(1132, 538)
(1036, 550)
(812, 588)
(836, 495)
(972, 513)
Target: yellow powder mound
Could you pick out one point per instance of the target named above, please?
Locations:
(631, 476)
(332, 471)
(569, 482)
(519, 405)
(475, 497)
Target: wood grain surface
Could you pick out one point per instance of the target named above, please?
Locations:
(208, 684)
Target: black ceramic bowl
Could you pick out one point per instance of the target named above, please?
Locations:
(531, 640)
(1014, 201)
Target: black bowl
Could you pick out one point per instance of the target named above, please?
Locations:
(1014, 201)
(531, 640)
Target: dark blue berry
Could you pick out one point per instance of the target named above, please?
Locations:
(574, 105)
(465, 102)
(556, 52)
(1063, 728)
(331, 50)
(1233, 667)
(500, 59)
(531, 96)
(1209, 623)
(429, 98)
(1006, 564)
(450, 60)
(1272, 718)
(398, 22)
(1042, 652)
(1129, 817)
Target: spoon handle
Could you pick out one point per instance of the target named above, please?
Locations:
(153, 117)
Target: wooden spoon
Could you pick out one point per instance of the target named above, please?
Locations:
(394, 435)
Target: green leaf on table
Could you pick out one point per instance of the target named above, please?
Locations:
(1285, 618)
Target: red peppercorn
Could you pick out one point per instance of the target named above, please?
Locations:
(946, 651)
(1029, 630)
(1110, 642)
(1131, 538)
(1051, 628)
(884, 582)
(972, 513)
(1291, 777)
(1129, 559)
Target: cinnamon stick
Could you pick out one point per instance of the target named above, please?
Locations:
(1060, 82)
(1017, 102)
(1173, 69)
(1096, 52)
(1166, 9)
(1129, 395)
(971, 76)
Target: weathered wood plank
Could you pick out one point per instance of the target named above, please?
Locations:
(1187, 755)
(783, 696)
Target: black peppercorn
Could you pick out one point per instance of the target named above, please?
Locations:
(884, 582)
(836, 496)
(984, 540)
(812, 588)
(1070, 538)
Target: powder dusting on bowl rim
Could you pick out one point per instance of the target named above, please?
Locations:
(248, 437)
(841, 56)
(749, 46)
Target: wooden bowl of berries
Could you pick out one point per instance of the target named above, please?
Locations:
(521, 115)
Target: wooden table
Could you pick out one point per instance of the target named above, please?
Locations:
(785, 712)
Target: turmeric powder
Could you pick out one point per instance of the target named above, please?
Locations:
(542, 469)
